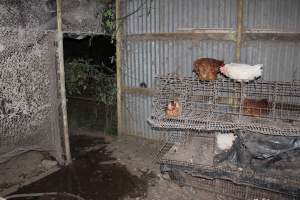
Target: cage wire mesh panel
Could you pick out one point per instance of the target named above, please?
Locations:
(33, 14)
(225, 189)
(79, 16)
(28, 94)
(143, 60)
(179, 155)
(266, 107)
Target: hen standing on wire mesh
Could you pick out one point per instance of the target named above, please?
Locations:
(207, 68)
(242, 72)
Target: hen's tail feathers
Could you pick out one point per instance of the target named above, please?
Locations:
(259, 66)
(259, 70)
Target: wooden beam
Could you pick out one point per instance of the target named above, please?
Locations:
(239, 31)
(227, 36)
(140, 91)
(273, 36)
(62, 82)
(119, 38)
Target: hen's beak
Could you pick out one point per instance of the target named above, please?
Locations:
(169, 106)
(222, 70)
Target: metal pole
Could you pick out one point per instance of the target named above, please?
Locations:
(62, 82)
(119, 65)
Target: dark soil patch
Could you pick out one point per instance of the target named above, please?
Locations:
(93, 175)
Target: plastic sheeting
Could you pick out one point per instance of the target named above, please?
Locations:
(264, 152)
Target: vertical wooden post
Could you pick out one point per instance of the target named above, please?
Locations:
(119, 65)
(62, 82)
(239, 30)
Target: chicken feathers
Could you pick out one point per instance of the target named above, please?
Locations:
(173, 109)
(207, 68)
(256, 107)
(242, 72)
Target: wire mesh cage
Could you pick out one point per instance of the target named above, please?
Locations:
(28, 93)
(224, 189)
(263, 106)
(190, 160)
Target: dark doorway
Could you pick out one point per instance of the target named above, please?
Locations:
(90, 70)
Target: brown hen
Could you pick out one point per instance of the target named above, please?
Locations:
(207, 68)
(173, 109)
(256, 107)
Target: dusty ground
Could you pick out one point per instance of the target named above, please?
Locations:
(113, 168)
(138, 155)
(23, 169)
(104, 167)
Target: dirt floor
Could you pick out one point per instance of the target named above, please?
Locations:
(111, 168)
(24, 169)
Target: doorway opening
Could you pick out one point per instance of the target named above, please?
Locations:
(91, 88)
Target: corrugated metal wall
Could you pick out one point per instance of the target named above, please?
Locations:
(143, 59)
(169, 15)
(272, 14)
(281, 59)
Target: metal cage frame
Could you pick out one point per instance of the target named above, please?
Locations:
(221, 105)
(248, 182)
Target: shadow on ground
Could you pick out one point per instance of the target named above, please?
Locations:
(94, 174)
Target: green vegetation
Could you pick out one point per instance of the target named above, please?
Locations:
(84, 79)
(109, 20)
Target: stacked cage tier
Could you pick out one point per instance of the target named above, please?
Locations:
(265, 107)
(196, 155)
(262, 120)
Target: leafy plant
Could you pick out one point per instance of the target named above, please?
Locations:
(108, 19)
(79, 74)
(106, 89)
(84, 79)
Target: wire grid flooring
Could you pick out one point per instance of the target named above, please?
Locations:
(224, 189)
(265, 107)
(238, 183)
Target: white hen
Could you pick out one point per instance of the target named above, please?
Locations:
(225, 141)
(241, 72)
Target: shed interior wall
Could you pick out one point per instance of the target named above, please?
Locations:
(160, 37)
